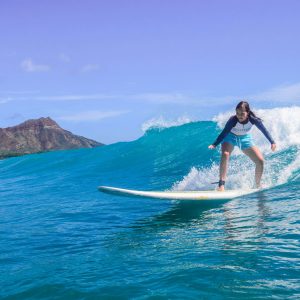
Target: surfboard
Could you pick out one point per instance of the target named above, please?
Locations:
(178, 195)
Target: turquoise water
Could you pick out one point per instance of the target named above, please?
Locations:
(62, 239)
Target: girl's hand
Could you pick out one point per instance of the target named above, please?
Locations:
(212, 147)
(273, 147)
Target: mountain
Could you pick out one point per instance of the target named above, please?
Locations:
(39, 135)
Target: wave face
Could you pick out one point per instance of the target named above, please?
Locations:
(62, 238)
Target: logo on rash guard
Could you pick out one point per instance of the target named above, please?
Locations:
(241, 129)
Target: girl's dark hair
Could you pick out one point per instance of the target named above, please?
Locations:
(245, 105)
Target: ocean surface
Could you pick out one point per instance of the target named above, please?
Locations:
(63, 239)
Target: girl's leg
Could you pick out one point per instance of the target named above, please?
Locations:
(257, 157)
(227, 148)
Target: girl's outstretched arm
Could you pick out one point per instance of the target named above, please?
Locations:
(230, 123)
(259, 124)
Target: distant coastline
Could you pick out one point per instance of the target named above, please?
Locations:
(40, 135)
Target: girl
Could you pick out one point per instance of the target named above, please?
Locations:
(236, 133)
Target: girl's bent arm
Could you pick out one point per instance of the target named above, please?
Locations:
(230, 123)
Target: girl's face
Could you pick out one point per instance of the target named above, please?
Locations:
(241, 114)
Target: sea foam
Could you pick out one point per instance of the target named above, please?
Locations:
(161, 123)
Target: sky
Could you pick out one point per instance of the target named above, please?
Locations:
(104, 68)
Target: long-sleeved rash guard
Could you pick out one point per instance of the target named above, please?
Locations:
(237, 128)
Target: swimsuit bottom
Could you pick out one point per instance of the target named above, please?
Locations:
(242, 141)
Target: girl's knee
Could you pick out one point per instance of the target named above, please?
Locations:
(226, 154)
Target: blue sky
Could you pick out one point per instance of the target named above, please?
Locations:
(103, 68)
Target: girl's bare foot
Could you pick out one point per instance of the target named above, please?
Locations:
(221, 188)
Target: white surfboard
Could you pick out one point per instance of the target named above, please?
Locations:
(178, 195)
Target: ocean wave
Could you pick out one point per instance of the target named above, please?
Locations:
(161, 123)
(175, 158)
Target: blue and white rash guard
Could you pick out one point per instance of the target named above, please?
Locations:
(237, 128)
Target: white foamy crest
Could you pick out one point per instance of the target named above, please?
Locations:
(240, 175)
(289, 170)
(160, 123)
(279, 168)
(282, 123)
(197, 179)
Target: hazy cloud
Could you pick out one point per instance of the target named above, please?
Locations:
(64, 57)
(15, 116)
(29, 66)
(75, 97)
(163, 98)
(288, 93)
(18, 92)
(90, 68)
(4, 100)
(147, 97)
(92, 115)
(284, 94)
